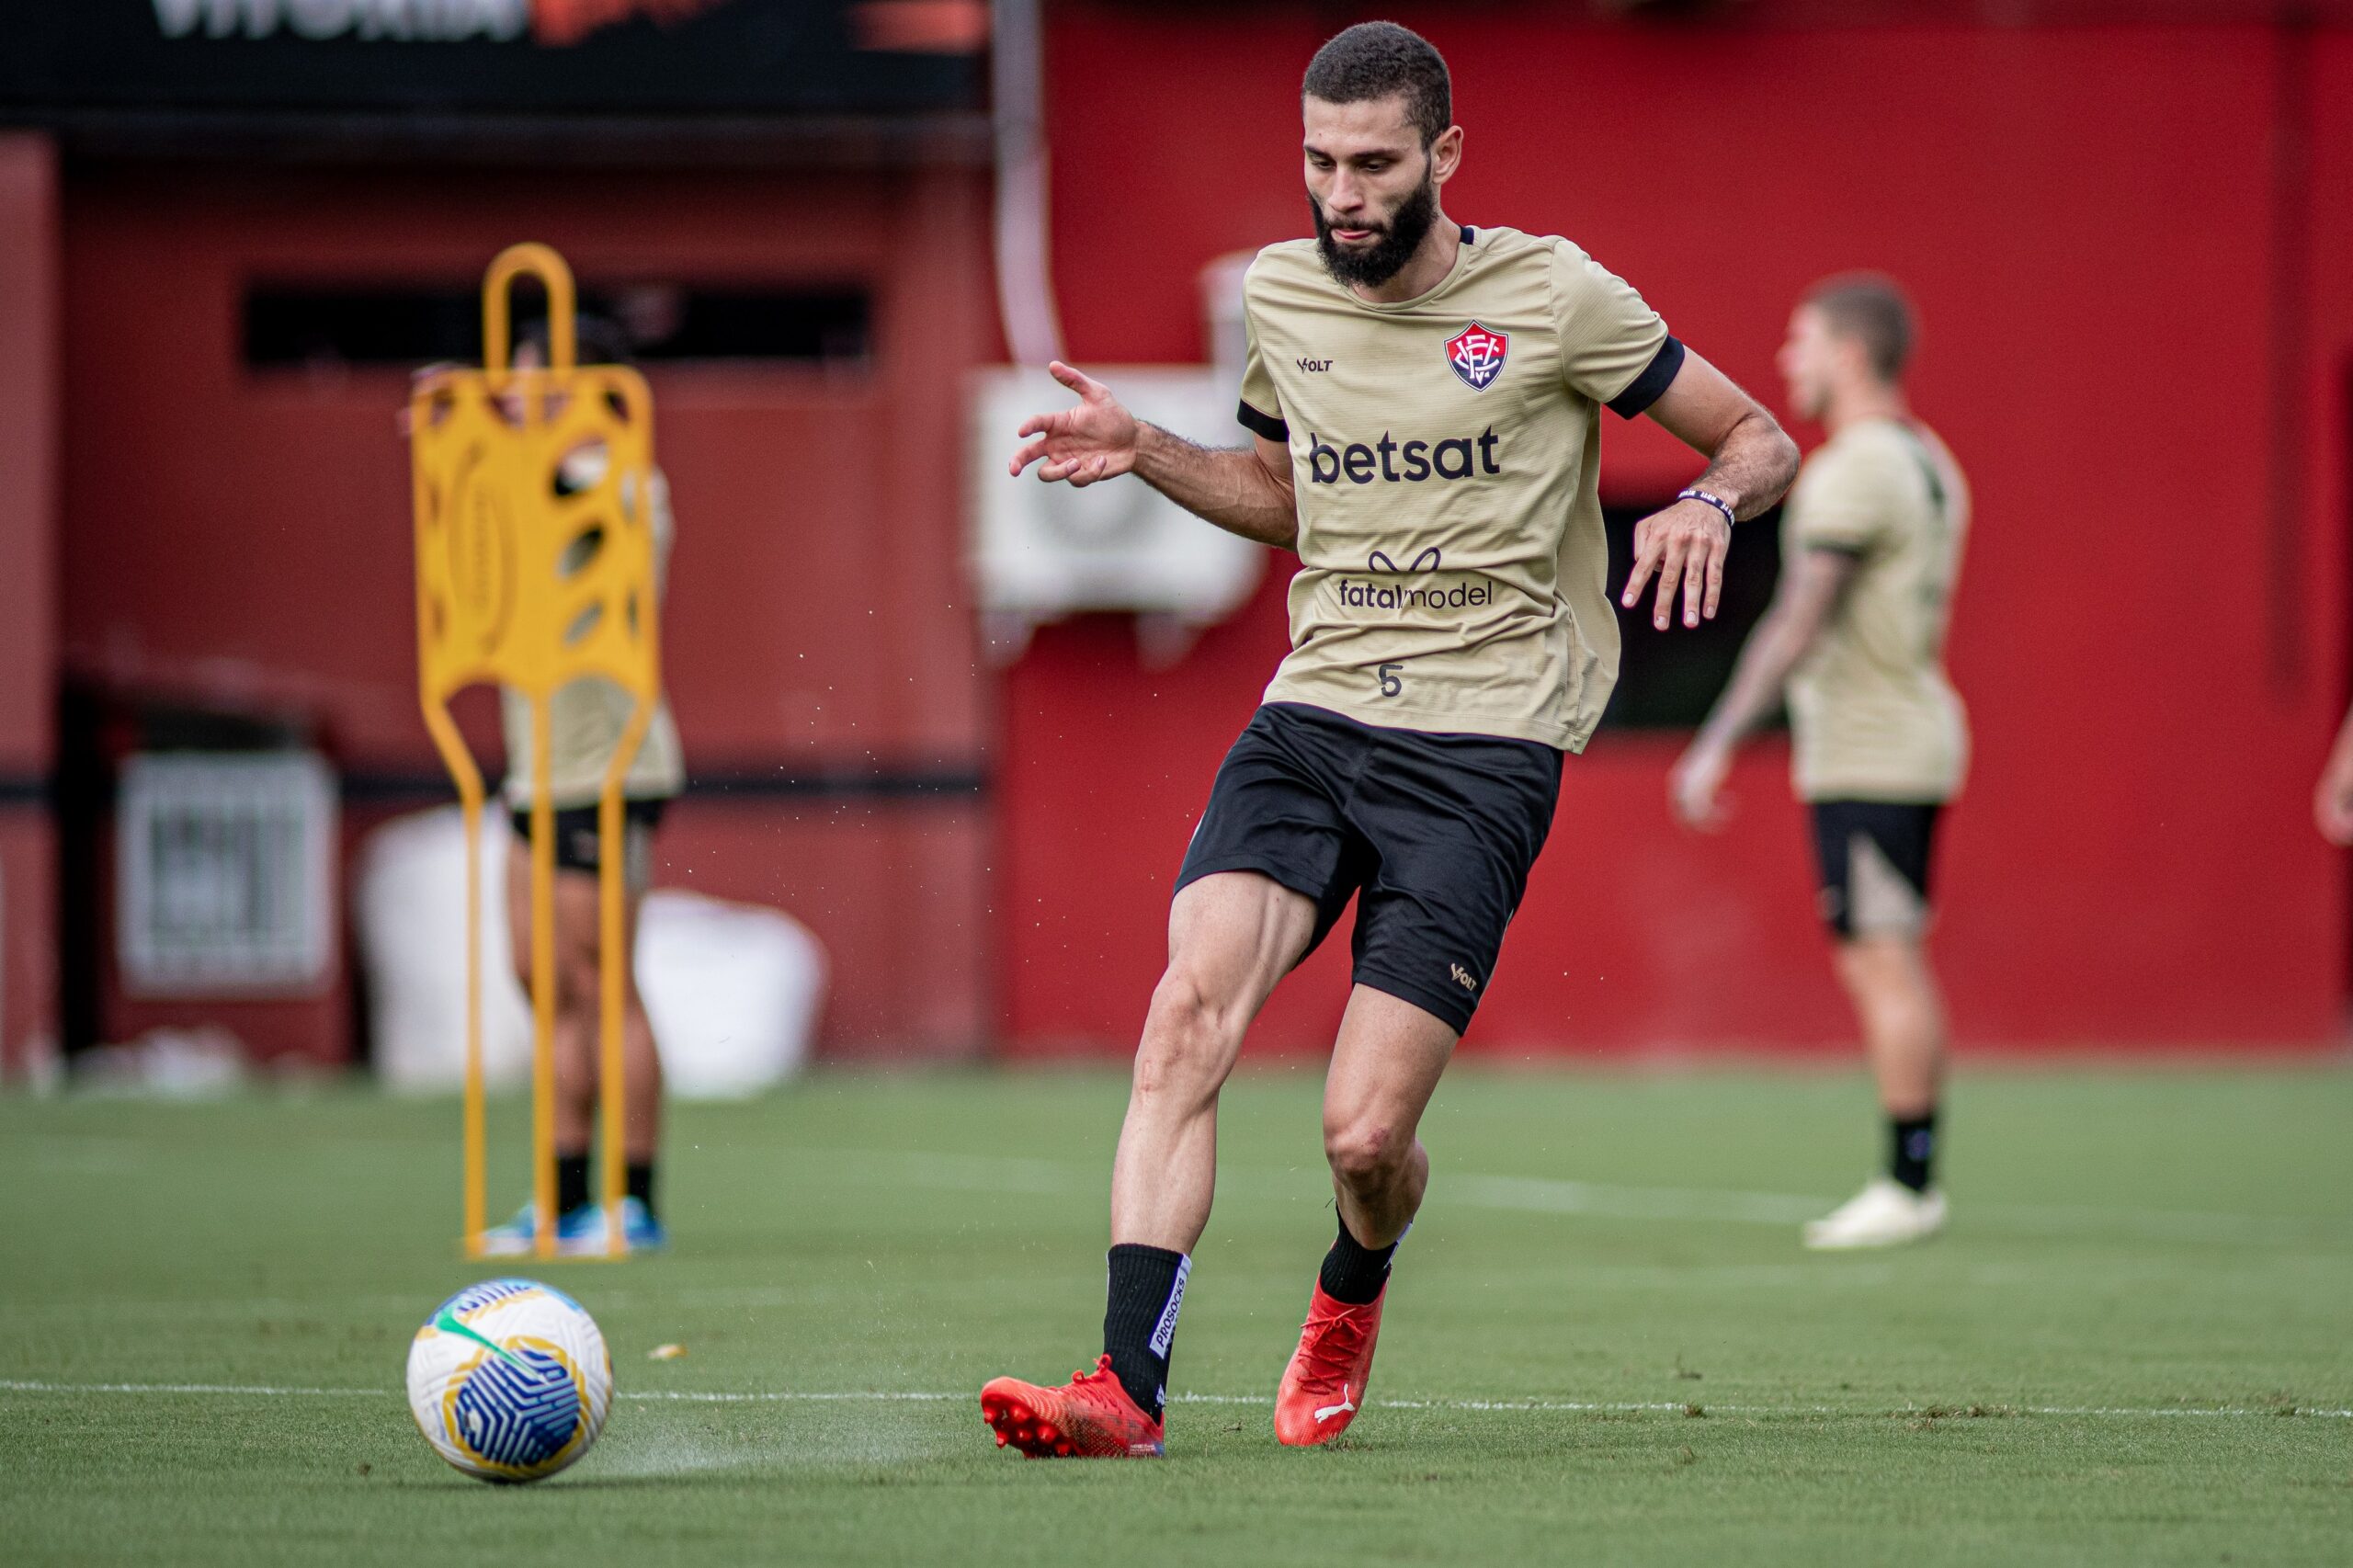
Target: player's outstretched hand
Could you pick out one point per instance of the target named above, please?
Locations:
(1685, 545)
(1095, 441)
(1695, 789)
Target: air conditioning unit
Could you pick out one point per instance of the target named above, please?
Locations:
(1041, 552)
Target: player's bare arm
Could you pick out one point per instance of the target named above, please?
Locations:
(1802, 605)
(1750, 464)
(1246, 491)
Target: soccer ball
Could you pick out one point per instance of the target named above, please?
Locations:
(509, 1380)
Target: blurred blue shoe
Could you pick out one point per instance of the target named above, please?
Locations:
(581, 1234)
(574, 1233)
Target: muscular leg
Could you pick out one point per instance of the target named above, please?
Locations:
(579, 1004)
(1903, 1017)
(1384, 1070)
(1231, 938)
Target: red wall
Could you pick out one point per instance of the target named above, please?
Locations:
(2086, 218)
(29, 287)
(243, 537)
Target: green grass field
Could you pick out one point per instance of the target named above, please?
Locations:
(1603, 1343)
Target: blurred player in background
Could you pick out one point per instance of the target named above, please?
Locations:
(2333, 796)
(1871, 543)
(585, 720)
(1426, 401)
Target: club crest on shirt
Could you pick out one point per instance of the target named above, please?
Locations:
(1477, 355)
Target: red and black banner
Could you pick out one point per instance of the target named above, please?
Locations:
(785, 58)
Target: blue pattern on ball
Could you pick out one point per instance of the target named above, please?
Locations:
(519, 1415)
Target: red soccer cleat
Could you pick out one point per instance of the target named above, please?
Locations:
(1090, 1416)
(1324, 1386)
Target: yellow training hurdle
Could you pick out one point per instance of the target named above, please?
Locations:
(496, 603)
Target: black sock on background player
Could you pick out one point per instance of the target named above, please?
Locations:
(571, 1182)
(1912, 1148)
(1147, 1287)
(1353, 1272)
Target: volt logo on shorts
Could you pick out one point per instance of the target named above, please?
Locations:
(1403, 463)
(1462, 978)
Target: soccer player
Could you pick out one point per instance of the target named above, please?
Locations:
(1424, 401)
(1871, 542)
(586, 718)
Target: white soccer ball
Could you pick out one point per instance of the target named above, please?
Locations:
(509, 1380)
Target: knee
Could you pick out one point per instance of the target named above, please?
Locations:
(579, 978)
(1187, 1040)
(1885, 974)
(1366, 1156)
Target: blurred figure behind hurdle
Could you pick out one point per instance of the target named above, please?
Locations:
(586, 720)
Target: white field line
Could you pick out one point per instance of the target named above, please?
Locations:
(884, 1396)
(1545, 1195)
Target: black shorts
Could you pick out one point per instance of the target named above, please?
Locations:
(1437, 834)
(578, 845)
(1874, 858)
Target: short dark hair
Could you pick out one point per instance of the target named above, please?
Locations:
(1379, 60)
(1870, 308)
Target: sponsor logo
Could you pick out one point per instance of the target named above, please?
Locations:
(1314, 366)
(1345, 1405)
(1380, 595)
(1403, 463)
(1463, 977)
(1163, 1334)
(1476, 355)
(1355, 595)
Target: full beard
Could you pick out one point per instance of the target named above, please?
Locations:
(1388, 255)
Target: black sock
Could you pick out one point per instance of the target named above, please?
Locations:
(640, 1183)
(1353, 1272)
(571, 1182)
(1912, 1148)
(1147, 1286)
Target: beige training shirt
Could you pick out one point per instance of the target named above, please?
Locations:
(587, 717)
(1444, 450)
(1874, 716)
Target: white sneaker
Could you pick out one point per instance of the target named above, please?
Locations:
(1884, 1214)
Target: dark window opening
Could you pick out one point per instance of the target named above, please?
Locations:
(1668, 680)
(295, 325)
